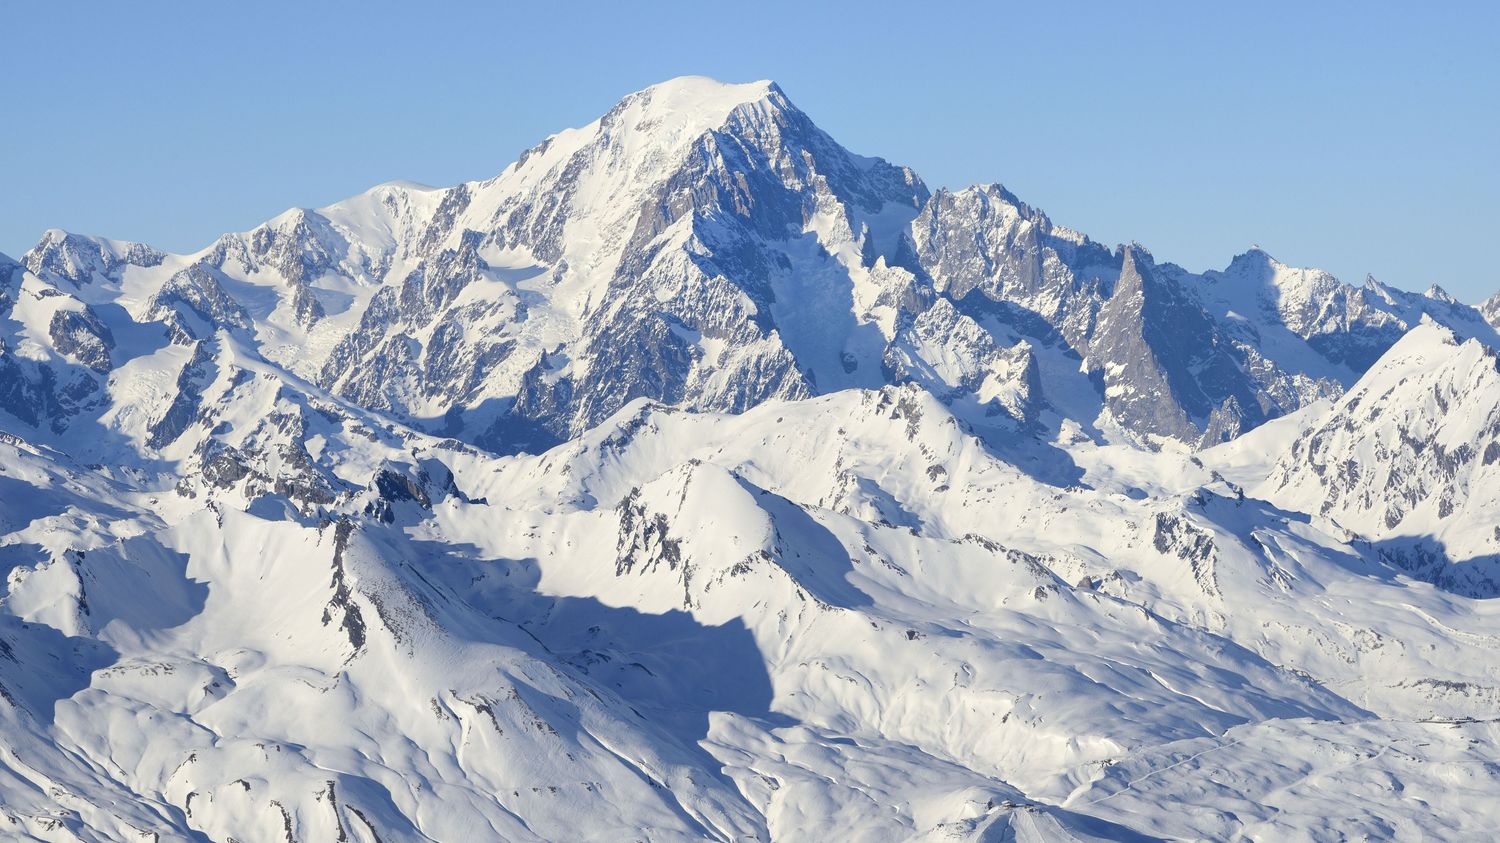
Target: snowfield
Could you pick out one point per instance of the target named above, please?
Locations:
(698, 479)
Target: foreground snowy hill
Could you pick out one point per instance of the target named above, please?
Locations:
(695, 478)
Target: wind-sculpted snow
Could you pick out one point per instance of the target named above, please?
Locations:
(1296, 780)
(695, 478)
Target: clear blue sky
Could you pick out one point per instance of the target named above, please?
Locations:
(1358, 137)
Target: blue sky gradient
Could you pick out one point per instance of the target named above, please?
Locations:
(1359, 137)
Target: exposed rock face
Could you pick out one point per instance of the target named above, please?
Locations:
(55, 351)
(193, 305)
(81, 337)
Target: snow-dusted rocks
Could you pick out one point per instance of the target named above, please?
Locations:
(695, 478)
(1176, 356)
(642, 255)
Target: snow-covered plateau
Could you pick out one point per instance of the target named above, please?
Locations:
(697, 478)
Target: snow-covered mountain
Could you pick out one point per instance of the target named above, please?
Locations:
(708, 246)
(696, 478)
(1410, 458)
